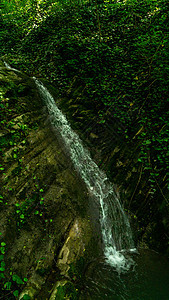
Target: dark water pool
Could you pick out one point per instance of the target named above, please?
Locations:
(148, 279)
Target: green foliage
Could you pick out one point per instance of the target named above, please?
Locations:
(15, 133)
(67, 291)
(8, 282)
(26, 297)
(17, 279)
(18, 131)
(29, 206)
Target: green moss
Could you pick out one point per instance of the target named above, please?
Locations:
(67, 291)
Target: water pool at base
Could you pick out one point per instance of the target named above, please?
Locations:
(147, 280)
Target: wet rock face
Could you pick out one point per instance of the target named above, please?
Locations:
(43, 203)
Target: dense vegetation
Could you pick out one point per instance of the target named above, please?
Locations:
(119, 50)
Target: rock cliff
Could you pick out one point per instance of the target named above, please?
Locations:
(43, 217)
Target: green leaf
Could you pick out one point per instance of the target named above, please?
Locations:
(3, 264)
(2, 275)
(3, 244)
(16, 293)
(25, 279)
(2, 249)
(7, 285)
(26, 297)
(17, 279)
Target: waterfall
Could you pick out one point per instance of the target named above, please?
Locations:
(10, 68)
(6, 65)
(115, 227)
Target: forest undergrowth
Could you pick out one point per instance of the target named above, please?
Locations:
(119, 50)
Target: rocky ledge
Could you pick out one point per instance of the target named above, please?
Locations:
(44, 225)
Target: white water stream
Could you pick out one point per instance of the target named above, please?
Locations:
(10, 68)
(115, 227)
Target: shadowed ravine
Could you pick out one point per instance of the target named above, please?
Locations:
(115, 227)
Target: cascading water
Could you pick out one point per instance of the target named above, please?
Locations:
(116, 231)
(115, 227)
(10, 68)
(6, 65)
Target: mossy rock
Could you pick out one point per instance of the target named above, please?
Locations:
(42, 195)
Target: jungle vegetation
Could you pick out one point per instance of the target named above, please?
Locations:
(120, 52)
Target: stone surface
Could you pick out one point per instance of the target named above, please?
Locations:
(43, 213)
(74, 245)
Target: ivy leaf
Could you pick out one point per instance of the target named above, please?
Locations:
(25, 279)
(17, 279)
(7, 285)
(16, 293)
(2, 264)
(2, 249)
(2, 275)
(3, 244)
